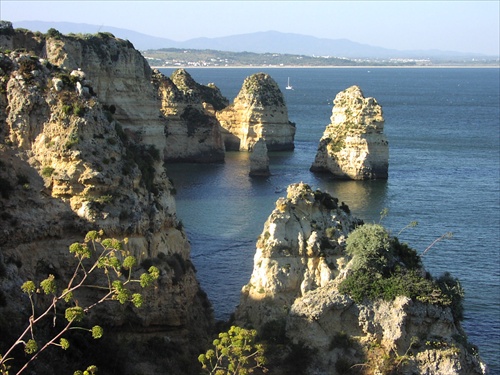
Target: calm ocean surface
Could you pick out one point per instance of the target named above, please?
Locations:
(443, 127)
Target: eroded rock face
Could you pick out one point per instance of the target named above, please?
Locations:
(259, 160)
(67, 166)
(141, 101)
(353, 146)
(299, 265)
(298, 251)
(258, 111)
(192, 132)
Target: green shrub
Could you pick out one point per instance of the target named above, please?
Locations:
(385, 269)
(235, 352)
(53, 33)
(72, 140)
(47, 171)
(370, 247)
(78, 109)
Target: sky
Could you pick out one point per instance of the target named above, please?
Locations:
(462, 26)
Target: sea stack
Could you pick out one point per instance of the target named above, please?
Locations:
(192, 132)
(351, 294)
(353, 145)
(259, 160)
(258, 111)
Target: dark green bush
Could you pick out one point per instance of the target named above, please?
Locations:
(53, 33)
(326, 199)
(385, 269)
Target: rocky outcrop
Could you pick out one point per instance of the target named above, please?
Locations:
(297, 296)
(142, 102)
(258, 111)
(259, 160)
(353, 146)
(79, 151)
(192, 131)
(298, 251)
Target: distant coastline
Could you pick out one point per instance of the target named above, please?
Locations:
(328, 67)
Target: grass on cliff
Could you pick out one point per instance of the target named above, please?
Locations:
(384, 268)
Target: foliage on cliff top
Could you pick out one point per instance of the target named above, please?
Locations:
(385, 268)
(263, 90)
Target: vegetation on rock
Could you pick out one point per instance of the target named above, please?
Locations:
(95, 254)
(382, 267)
(235, 353)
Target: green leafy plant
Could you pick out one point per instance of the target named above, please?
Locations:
(47, 171)
(94, 254)
(385, 268)
(235, 353)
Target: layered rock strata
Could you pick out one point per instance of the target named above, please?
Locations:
(192, 131)
(68, 166)
(259, 160)
(293, 297)
(353, 145)
(142, 102)
(258, 111)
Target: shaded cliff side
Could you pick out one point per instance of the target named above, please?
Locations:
(353, 145)
(80, 149)
(349, 298)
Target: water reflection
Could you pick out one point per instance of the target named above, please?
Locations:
(366, 199)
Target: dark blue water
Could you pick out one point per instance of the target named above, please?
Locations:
(443, 127)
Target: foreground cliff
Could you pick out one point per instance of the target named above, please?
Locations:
(353, 145)
(347, 298)
(258, 111)
(80, 149)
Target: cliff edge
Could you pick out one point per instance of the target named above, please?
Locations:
(78, 151)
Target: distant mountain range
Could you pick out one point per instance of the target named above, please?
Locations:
(259, 42)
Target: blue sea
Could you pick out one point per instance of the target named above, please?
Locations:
(443, 127)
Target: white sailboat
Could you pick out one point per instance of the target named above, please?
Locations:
(288, 87)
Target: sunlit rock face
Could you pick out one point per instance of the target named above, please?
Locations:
(258, 111)
(353, 145)
(298, 251)
(293, 295)
(81, 148)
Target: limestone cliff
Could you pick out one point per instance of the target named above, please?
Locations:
(139, 99)
(353, 146)
(192, 131)
(79, 151)
(258, 111)
(312, 261)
